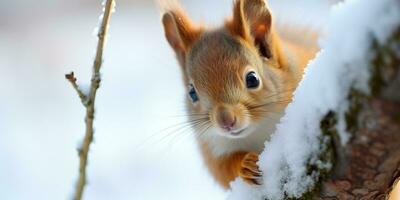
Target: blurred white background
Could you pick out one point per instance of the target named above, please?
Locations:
(133, 156)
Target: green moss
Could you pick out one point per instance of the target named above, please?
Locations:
(397, 117)
(351, 116)
(385, 59)
(327, 155)
(329, 132)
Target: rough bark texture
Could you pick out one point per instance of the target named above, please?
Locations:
(369, 164)
(367, 167)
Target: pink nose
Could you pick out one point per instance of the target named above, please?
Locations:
(228, 125)
(226, 118)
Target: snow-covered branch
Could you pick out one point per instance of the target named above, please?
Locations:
(88, 100)
(327, 116)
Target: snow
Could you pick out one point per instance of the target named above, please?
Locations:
(41, 117)
(311, 13)
(342, 64)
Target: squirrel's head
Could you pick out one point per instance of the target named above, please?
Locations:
(231, 73)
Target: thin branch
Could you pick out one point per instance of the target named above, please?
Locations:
(89, 99)
(72, 79)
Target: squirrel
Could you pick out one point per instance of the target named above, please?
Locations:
(239, 78)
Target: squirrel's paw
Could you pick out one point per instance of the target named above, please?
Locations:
(249, 170)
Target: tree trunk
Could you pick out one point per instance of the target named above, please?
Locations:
(369, 164)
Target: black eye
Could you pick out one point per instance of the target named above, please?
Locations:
(252, 80)
(193, 94)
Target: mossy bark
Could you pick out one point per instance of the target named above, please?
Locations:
(367, 166)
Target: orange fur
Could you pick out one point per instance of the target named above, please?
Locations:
(228, 167)
(231, 120)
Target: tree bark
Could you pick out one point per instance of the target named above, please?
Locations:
(369, 164)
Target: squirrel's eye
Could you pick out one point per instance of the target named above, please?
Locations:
(252, 80)
(193, 94)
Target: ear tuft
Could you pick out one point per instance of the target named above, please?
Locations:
(239, 25)
(252, 21)
(171, 31)
(180, 32)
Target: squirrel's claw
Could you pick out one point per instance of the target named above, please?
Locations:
(249, 171)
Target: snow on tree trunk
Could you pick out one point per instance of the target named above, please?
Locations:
(340, 137)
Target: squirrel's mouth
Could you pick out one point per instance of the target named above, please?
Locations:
(237, 133)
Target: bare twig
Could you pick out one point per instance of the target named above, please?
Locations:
(89, 99)
(71, 78)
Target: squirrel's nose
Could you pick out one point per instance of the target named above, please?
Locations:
(226, 118)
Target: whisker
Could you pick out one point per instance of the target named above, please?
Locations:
(264, 116)
(270, 103)
(182, 132)
(279, 95)
(172, 130)
(190, 124)
(191, 115)
(291, 89)
(204, 131)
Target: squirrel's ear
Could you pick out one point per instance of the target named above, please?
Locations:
(252, 21)
(180, 32)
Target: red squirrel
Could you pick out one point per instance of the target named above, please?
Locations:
(239, 79)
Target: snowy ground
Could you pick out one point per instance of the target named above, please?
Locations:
(41, 120)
